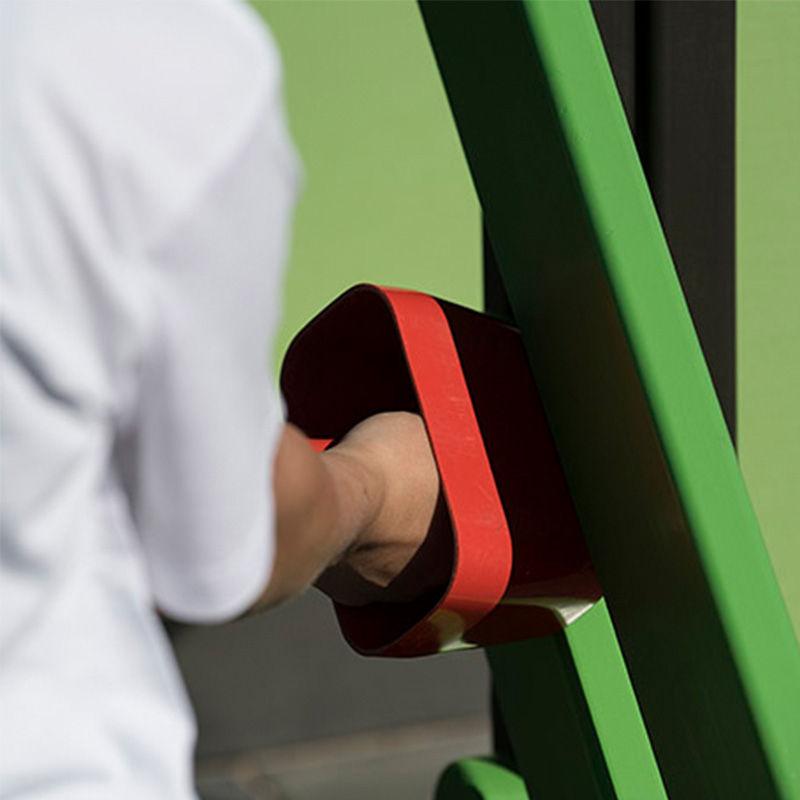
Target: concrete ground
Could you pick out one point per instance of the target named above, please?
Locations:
(287, 711)
(401, 763)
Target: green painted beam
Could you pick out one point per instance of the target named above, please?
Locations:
(588, 734)
(480, 779)
(572, 717)
(547, 719)
(689, 587)
(620, 729)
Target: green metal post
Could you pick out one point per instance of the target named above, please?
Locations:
(688, 584)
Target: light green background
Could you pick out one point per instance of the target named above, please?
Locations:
(387, 198)
(768, 276)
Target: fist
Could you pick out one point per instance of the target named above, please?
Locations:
(405, 547)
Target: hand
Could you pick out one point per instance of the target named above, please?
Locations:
(404, 547)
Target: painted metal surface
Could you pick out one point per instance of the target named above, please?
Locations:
(649, 461)
(572, 719)
(674, 69)
(480, 779)
(569, 695)
(520, 567)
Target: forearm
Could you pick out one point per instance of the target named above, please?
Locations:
(322, 503)
(359, 520)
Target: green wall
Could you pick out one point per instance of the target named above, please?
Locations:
(387, 197)
(768, 276)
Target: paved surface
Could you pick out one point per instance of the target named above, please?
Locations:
(288, 676)
(402, 763)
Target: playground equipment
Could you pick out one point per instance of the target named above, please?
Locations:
(685, 681)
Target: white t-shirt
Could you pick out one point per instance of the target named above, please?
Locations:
(148, 182)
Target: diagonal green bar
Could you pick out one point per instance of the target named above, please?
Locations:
(548, 721)
(688, 583)
(626, 748)
(572, 717)
(480, 779)
(589, 737)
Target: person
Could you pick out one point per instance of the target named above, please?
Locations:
(148, 182)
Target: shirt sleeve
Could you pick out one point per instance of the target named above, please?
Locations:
(208, 415)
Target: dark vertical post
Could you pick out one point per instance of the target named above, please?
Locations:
(675, 68)
(685, 133)
(616, 20)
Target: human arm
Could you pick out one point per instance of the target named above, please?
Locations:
(359, 519)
